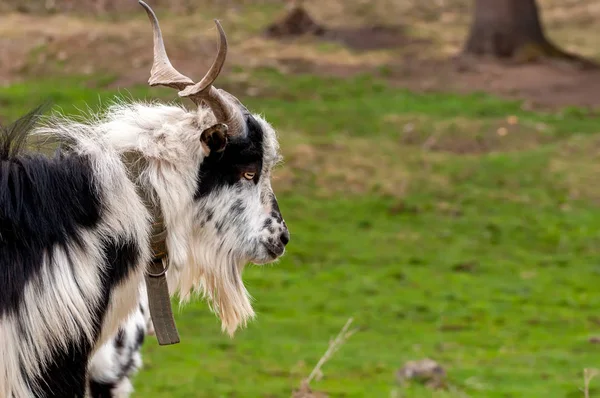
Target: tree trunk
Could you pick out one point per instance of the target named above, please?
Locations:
(512, 29)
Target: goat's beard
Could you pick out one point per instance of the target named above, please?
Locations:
(216, 274)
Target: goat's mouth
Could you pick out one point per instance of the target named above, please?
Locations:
(274, 251)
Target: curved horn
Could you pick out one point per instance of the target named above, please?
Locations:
(162, 72)
(199, 88)
(223, 108)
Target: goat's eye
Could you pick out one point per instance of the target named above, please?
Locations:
(249, 175)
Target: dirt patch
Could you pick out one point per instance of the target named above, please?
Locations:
(109, 8)
(372, 37)
(303, 66)
(298, 22)
(60, 45)
(540, 85)
(13, 57)
(57, 45)
(131, 63)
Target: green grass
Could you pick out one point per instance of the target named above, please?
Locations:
(487, 262)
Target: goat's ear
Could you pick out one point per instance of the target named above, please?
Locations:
(215, 137)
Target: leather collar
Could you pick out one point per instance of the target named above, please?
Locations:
(159, 299)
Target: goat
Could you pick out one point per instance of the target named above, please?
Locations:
(78, 229)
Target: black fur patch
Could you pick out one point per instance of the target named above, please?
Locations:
(275, 205)
(219, 226)
(139, 339)
(65, 374)
(277, 216)
(237, 208)
(209, 214)
(101, 390)
(43, 201)
(275, 213)
(120, 339)
(225, 168)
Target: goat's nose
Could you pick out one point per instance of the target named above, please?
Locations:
(285, 237)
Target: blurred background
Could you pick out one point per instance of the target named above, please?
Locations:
(440, 185)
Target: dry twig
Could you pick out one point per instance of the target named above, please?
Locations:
(334, 345)
(588, 375)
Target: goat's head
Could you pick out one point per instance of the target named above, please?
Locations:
(236, 218)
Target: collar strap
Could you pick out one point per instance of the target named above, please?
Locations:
(158, 247)
(159, 299)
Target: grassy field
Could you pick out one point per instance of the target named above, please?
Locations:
(464, 228)
(481, 256)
